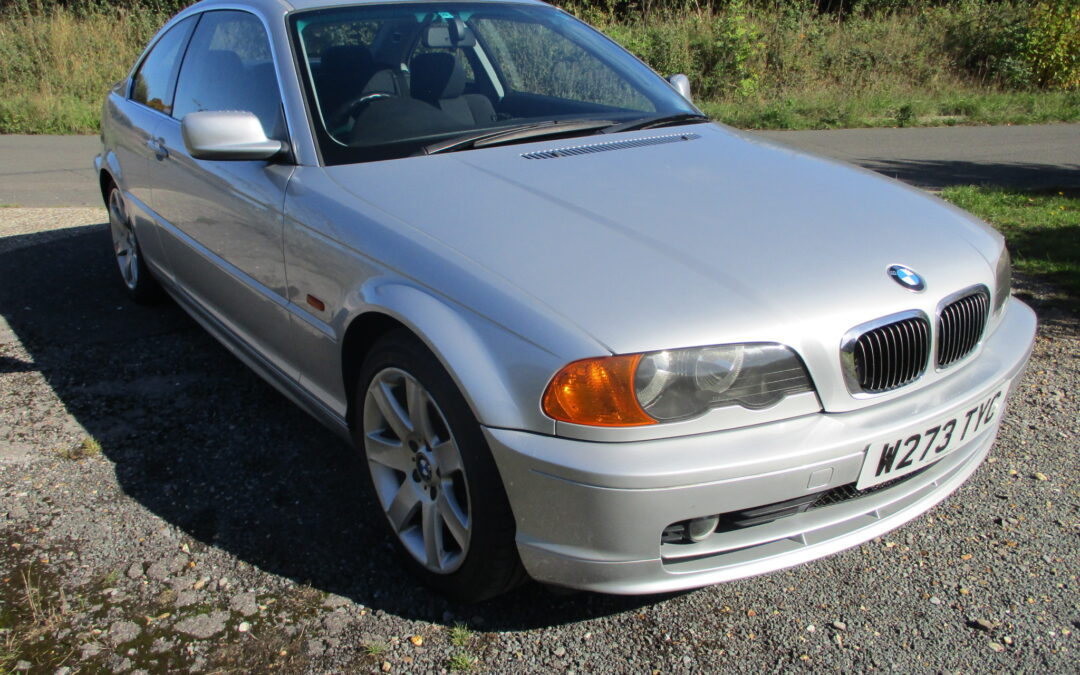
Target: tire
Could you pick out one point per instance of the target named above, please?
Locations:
(134, 273)
(432, 473)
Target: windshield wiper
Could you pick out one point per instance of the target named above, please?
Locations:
(657, 121)
(521, 132)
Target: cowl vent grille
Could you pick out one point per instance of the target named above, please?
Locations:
(612, 145)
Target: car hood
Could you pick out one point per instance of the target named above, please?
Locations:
(682, 237)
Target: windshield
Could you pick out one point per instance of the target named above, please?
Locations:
(386, 81)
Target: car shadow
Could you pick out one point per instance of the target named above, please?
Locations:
(202, 442)
(940, 174)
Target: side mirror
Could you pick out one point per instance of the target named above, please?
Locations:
(681, 84)
(227, 135)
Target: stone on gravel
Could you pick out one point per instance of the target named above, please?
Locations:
(839, 625)
(187, 598)
(997, 646)
(334, 601)
(335, 622)
(161, 645)
(203, 626)
(982, 624)
(244, 627)
(135, 571)
(246, 604)
(160, 570)
(123, 631)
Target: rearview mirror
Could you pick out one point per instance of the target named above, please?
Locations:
(227, 135)
(681, 84)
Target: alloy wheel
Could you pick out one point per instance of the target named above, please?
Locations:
(417, 470)
(125, 247)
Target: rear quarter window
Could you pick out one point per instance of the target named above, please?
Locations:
(155, 80)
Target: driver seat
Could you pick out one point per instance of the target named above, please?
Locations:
(343, 67)
(438, 78)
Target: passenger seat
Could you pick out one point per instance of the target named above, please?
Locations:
(438, 78)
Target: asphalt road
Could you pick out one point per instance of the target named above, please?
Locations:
(57, 170)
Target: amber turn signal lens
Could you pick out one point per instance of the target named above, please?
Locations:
(597, 392)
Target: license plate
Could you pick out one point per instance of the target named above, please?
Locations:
(921, 446)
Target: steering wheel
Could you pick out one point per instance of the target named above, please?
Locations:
(352, 107)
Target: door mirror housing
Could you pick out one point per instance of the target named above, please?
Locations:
(681, 83)
(227, 135)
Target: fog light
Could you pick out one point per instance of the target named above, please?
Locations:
(700, 528)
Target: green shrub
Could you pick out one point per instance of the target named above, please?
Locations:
(1053, 44)
(56, 67)
(988, 40)
(721, 51)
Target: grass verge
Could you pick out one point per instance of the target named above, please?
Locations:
(836, 110)
(1042, 230)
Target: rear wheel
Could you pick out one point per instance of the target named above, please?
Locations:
(141, 286)
(432, 473)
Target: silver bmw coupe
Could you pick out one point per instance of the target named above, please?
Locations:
(579, 332)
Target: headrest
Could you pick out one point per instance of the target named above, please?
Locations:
(437, 75)
(451, 33)
(222, 63)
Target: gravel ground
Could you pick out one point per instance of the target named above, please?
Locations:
(164, 510)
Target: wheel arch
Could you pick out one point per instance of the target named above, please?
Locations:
(106, 183)
(109, 173)
(361, 335)
(471, 349)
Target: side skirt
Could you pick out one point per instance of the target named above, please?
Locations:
(264, 368)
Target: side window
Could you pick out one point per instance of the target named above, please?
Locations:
(156, 78)
(229, 67)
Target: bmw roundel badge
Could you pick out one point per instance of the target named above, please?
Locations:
(907, 277)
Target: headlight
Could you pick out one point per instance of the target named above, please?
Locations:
(641, 389)
(1004, 280)
(675, 385)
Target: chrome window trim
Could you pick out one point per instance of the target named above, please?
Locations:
(851, 337)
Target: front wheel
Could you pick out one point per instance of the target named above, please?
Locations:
(432, 473)
(141, 286)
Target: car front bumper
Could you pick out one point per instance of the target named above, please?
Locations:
(591, 515)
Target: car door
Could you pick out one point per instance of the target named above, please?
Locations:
(225, 243)
(137, 111)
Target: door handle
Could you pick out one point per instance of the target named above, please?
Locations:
(157, 145)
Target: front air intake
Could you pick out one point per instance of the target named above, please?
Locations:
(886, 354)
(960, 326)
